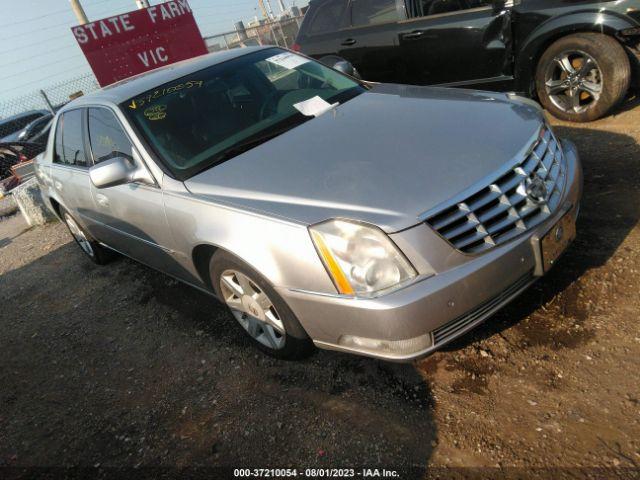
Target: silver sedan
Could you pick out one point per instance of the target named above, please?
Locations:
(383, 220)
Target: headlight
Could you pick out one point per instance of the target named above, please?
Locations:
(361, 259)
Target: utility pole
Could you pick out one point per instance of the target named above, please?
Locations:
(79, 11)
(265, 14)
(269, 9)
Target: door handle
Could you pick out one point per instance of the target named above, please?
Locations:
(349, 41)
(413, 35)
(102, 200)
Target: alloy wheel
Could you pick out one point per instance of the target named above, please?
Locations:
(253, 309)
(79, 235)
(573, 81)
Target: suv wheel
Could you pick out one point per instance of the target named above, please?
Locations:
(258, 308)
(581, 77)
(96, 252)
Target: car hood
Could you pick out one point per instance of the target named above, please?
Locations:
(384, 157)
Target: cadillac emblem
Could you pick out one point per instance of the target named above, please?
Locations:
(536, 189)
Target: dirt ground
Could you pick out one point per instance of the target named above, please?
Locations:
(122, 366)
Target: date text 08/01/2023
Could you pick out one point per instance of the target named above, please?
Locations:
(315, 473)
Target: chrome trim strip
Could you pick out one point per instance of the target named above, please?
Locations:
(501, 78)
(444, 15)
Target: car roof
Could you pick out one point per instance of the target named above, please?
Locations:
(22, 115)
(128, 88)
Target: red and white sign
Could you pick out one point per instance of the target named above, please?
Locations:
(124, 45)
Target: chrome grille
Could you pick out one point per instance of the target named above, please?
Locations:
(451, 329)
(502, 210)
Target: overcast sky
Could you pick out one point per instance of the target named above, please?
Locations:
(37, 48)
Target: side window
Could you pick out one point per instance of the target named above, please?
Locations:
(328, 17)
(372, 12)
(69, 148)
(106, 136)
(437, 7)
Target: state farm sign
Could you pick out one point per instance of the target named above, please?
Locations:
(135, 42)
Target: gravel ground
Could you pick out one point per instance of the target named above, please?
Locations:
(122, 366)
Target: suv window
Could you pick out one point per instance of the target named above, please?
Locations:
(327, 17)
(69, 148)
(434, 7)
(106, 137)
(371, 12)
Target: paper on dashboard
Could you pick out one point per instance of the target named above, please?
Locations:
(288, 60)
(314, 107)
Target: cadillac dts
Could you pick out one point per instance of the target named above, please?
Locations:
(378, 219)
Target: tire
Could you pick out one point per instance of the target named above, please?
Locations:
(292, 342)
(89, 246)
(609, 70)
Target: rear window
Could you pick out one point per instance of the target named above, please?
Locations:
(69, 144)
(325, 17)
(372, 12)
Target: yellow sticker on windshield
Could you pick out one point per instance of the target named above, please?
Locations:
(156, 112)
(156, 94)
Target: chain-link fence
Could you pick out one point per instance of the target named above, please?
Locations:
(53, 96)
(282, 33)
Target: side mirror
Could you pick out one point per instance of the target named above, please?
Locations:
(118, 171)
(347, 68)
(341, 65)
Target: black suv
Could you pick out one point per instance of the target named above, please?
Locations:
(578, 57)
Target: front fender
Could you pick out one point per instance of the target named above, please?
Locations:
(608, 23)
(282, 251)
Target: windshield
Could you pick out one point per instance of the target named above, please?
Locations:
(217, 113)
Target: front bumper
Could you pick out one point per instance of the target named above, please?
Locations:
(465, 291)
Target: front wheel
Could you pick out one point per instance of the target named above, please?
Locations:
(258, 309)
(581, 77)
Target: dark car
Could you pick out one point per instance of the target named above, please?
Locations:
(37, 131)
(11, 127)
(577, 57)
